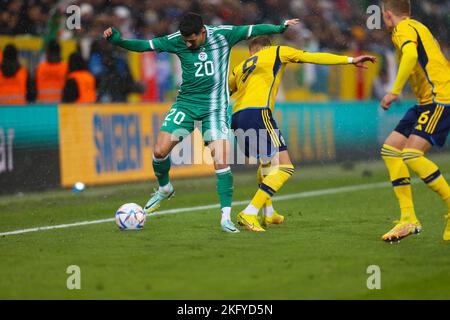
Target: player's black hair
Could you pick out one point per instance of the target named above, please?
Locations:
(191, 23)
(10, 64)
(53, 51)
(76, 62)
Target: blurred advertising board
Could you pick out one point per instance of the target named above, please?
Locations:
(102, 144)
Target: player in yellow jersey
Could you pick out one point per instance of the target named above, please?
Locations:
(425, 125)
(254, 84)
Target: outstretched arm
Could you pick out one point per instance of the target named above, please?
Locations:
(234, 34)
(288, 54)
(113, 36)
(407, 64)
(323, 58)
(268, 29)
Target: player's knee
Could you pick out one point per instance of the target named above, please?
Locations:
(160, 152)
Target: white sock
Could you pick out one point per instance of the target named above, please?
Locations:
(226, 214)
(251, 209)
(269, 210)
(160, 159)
(166, 189)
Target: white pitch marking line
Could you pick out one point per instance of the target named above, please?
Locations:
(307, 194)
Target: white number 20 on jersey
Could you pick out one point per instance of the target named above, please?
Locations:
(203, 69)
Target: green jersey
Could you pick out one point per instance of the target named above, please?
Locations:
(205, 70)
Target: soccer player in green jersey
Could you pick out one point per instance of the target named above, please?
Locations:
(204, 52)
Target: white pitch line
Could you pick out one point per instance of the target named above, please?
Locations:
(307, 194)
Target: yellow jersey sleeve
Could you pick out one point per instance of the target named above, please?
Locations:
(403, 34)
(407, 64)
(290, 55)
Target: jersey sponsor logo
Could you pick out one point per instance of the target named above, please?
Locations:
(202, 56)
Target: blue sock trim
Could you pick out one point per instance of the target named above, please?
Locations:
(401, 182)
(432, 177)
(267, 189)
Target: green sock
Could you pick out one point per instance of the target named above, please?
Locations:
(161, 168)
(225, 187)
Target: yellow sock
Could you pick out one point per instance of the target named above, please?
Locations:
(401, 181)
(263, 168)
(448, 205)
(258, 200)
(276, 178)
(259, 177)
(404, 196)
(428, 172)
(269, 186)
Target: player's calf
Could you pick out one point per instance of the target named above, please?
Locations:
(428, 172)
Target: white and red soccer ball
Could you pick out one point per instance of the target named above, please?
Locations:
(130, 216)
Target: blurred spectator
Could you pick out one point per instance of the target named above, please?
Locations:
(327, 25)
(330, 21)
(51, 75)
(381, 85)
(24, 17)
(111, 70)
(124, 21)
(13, 78)
(80, 84)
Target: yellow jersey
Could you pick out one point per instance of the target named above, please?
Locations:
(430, 79)
(255, 82)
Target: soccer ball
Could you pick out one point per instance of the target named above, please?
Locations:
(130, 216)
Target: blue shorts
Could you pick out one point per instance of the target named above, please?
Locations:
(257, 133)
(431, 122)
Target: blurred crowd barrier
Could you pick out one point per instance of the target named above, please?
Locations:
(48, 146)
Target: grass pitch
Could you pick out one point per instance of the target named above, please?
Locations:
(321, 252)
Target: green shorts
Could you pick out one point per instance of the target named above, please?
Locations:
(181, 120)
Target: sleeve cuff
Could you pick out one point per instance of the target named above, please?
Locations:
(249, 33)
(350, 60)
(284, 26)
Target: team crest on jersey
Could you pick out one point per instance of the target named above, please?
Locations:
(202, 56)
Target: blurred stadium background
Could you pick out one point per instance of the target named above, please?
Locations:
(337, 205)
(107, 138)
